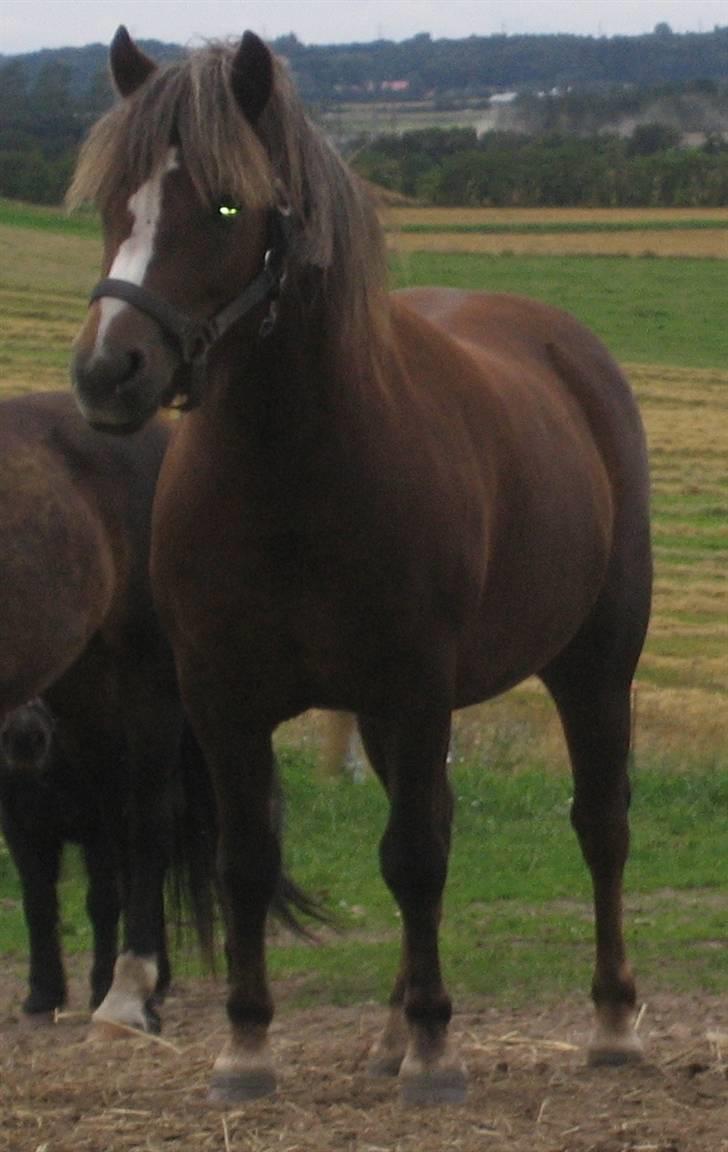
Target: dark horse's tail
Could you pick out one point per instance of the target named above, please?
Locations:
(193, 895)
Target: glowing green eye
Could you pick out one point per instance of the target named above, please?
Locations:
(228, 211)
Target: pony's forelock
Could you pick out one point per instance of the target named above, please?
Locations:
(189, 103)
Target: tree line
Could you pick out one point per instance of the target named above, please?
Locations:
(509, 169)
(42, 122)
(565, 149)
(479, 65)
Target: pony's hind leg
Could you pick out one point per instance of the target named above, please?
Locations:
(388, 1051)
(591, 683)
(597, 728)
(410, 756)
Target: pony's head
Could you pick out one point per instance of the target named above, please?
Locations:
(26, 738)
(212, 185)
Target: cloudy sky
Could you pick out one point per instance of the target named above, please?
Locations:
(26, 25)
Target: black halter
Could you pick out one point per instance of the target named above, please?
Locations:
(195, 338)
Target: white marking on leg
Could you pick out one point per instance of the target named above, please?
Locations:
(135, 978)
(135, 254)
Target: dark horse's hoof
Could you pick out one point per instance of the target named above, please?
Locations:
(42, 1019)
(39, 1003)
(152, 1019)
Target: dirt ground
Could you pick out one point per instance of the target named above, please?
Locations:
(530, 1090)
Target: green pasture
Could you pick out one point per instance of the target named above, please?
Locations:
(517, 923)
(517, 917)
(657, 310)
(648, 310)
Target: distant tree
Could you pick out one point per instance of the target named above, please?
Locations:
(14, 84)
(99, 95)
(647, 139)
(52, 89)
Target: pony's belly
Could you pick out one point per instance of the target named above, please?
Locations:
(522, 630)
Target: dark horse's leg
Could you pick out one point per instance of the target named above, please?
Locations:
(591, 683)
(152, 718)
(410, 758)
(103, 904)
(38, 863)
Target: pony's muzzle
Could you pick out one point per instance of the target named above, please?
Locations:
(103, 375)
(118, 383)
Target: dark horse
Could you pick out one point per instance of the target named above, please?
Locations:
(63, 782)
(49, 799)
(391, 505)
(78, 626)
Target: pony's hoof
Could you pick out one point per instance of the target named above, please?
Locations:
(384, 1064)
(432, 1077)
(243, 1070)
(104, 1031)
(389, 1049)
(611, 1056)
(231, 1089)
(434, 1086)
(612, 1051)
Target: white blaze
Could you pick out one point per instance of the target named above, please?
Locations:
(134, 255)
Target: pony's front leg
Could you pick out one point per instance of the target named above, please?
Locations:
(249, 865)
(414, 853)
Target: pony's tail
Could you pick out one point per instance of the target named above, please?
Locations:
(193, 888)
(289, 901)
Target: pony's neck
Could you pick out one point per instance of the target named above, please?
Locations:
(296, 418)
(304, 370)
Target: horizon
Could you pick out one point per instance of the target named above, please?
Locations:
(28, 26)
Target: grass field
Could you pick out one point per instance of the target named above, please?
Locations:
(517, 881)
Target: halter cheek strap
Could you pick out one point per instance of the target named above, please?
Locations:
(195, 338)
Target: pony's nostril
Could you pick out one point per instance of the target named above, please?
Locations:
(132, 369)
(109, 371)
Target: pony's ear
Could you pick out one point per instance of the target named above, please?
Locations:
(130, 67)
(252, 76)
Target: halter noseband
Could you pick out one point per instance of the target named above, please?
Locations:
(195, 338)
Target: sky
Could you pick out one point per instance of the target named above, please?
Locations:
(26, 25)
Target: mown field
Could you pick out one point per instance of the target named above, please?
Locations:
(517, 913)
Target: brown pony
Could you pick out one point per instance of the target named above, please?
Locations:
(391, 505)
